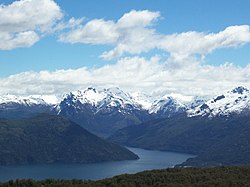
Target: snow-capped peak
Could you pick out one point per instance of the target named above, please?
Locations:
(117, 93)
(240, 90)
(234, 101)
(48, 99)
(29, 100)
(101, 99)
(145, 101)
(167, 106)
(112, 99)
(89, 95)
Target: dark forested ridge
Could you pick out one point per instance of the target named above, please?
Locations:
(47, 139)
(217, 141)
(183, 177)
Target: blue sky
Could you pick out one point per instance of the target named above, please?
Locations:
(84, 38)
(177, 16)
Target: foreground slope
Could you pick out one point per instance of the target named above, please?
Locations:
(47, 139)
(221, 176)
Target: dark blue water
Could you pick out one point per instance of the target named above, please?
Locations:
(148, 160)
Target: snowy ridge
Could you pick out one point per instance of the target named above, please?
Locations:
(90, 96)
(168, 106)
(234, 101)
(100, 100)
(143, 100)
(28, 100)
(114, 99)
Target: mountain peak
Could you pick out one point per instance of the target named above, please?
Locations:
(240, 90)
(232, 102)
(90, 89)
(167, 106)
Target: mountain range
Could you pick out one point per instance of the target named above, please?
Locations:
(107, 110)
(102, 112)
(215, 129)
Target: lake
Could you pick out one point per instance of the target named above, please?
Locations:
(148, 160)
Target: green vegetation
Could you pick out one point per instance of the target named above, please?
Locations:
(182, 177)
(48, 139)
(217, 141)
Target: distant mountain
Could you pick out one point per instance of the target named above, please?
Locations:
(236, 101)
(12, 106)
(167, 107)
(103, 101)
(216, 141)
(218, 130)
(145, 101)
(49, 139)
(102, 112)
(203, 127)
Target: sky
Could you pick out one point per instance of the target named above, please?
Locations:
(158, 47)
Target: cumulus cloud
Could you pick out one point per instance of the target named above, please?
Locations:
(22, 22)
(96, 31)
(21, 39)
(133, 33)
(183, 45)
(135, 74)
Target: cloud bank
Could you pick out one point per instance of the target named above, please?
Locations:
(132, 74)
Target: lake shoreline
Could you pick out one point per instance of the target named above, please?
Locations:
(149, 160)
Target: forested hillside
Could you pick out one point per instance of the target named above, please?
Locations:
(182, 177)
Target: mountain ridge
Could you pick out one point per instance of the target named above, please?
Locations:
(115, 97)
(48, 139)
(104, 111)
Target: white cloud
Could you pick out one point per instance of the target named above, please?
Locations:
(134, 18)
(133, 33)
(184, 45)
(96, 31)
(21, 39)
(70, 24)
(22, 22)
(132, 74)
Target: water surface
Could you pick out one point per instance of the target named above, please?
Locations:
(148, 160)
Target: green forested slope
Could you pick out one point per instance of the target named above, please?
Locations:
(47, 139)
(217, 141)
(195, 177)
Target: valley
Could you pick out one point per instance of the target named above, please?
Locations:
(100, 90)
(215, 129)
